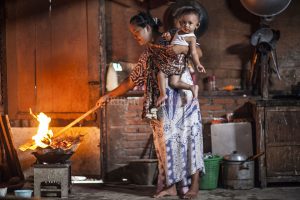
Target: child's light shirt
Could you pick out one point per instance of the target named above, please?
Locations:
(179, 39)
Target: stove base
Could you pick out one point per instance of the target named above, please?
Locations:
(52, 179)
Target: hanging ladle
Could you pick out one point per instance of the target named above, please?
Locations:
(252, 157)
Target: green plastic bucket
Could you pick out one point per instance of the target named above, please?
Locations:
(209, 180)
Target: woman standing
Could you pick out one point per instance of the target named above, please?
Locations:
(177, 130)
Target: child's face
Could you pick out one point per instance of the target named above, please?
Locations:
(189, 23)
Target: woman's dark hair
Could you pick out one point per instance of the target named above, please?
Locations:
(143, 19)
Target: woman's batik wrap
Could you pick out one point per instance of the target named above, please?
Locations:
(178, 131)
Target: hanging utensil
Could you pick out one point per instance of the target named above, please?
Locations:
(252, 157)
(275, 61)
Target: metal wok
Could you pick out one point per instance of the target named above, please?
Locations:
(52, 156)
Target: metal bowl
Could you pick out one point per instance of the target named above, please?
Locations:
(265, 8)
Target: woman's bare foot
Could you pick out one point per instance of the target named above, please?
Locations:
(194, 189)
(195, 89)
(182, 191)
(192, 193)
(161, 99)
(170, 191)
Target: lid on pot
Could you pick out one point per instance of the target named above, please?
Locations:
(235, 156)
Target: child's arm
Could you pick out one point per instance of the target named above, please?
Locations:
(194, 54)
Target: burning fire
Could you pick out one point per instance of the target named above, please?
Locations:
(44, 135)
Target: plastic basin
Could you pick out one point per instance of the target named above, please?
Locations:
(23, 193)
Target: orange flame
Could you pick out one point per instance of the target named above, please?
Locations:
(44, 135)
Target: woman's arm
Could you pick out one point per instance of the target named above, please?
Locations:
(178, 49)
(124, 87)
(136, 78)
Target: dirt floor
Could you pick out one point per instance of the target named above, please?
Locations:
(133, 192)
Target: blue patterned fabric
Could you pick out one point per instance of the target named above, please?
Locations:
(177, 132)
(178, 137)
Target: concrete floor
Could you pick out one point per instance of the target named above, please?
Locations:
(132, 192)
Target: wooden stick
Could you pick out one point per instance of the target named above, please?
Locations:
(76, 121)
(28, 145)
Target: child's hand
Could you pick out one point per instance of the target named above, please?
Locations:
(201, 68)
(167, 36)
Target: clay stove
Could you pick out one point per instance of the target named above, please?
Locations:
(52, 173)
(52, 179)
(52, 170)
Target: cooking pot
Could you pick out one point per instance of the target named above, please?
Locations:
(238, 171)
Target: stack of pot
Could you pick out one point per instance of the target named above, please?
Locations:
(238, 171)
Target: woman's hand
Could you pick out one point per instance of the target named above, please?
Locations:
(102, 101)
(124, 87)
(167, 36)
(178, 49)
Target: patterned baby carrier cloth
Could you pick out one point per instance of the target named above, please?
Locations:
(165, 59)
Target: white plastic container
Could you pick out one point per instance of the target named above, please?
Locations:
(3, 192)
(229, 137)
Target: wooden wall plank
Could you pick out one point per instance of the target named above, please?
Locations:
(51, 72)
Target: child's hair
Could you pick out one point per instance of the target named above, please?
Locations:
(186, 10)
(143, 19)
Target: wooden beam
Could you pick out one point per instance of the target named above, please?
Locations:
(12, 159)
